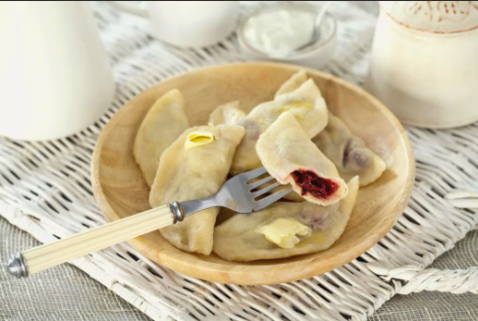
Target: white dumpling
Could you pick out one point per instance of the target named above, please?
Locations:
(292, 83)
(163, 123)
(240, 238)
(288, 155)
(305, 103)
(195, 166)
(348, 152)
(227, 114)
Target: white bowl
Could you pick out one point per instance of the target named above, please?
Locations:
(315, 56)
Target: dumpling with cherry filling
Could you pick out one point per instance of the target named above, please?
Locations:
(288, 155)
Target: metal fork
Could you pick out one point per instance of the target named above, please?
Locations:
(242, 193)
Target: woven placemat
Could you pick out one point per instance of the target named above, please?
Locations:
(45, 190)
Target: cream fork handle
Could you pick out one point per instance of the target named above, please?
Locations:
(95, 239)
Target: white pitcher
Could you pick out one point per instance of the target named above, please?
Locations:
(424, 63)
(55, 78)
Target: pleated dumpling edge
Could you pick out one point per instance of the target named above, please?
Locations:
(163, 123)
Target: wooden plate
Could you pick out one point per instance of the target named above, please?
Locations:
(121, 190)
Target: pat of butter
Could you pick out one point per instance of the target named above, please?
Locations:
(297, 108)
(196, 139)
(284, 232)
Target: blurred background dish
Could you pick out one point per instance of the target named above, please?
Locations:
(275, 31)
(186, 23)
(424, 62)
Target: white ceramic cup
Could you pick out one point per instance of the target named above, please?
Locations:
(424, 62)
(55, 77)
(187, 23)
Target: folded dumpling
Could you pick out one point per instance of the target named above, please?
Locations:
(227, 114)
(349, 152)
(292, 83)
(163, 123)
(288, 155)
(284, 229)
(195, 166)
(305, 103)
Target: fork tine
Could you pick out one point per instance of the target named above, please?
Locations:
(260, 182)
(254, 173)
(266, 201)
(266, 189)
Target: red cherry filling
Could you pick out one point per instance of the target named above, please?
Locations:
(313, 184)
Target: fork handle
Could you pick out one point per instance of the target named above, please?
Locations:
(48, 255)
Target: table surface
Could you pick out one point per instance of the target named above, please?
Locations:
(66, 293)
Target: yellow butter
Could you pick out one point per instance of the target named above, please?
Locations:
(285, 232)
(196, 139)
(297, 108)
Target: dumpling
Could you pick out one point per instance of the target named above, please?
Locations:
(288, 155)
(349, 152)
(195, 166)
(242, 238)
(227, 114)
(292, 83)
(163, 123)
(305, 103)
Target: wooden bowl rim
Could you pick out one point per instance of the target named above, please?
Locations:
(241, 278)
